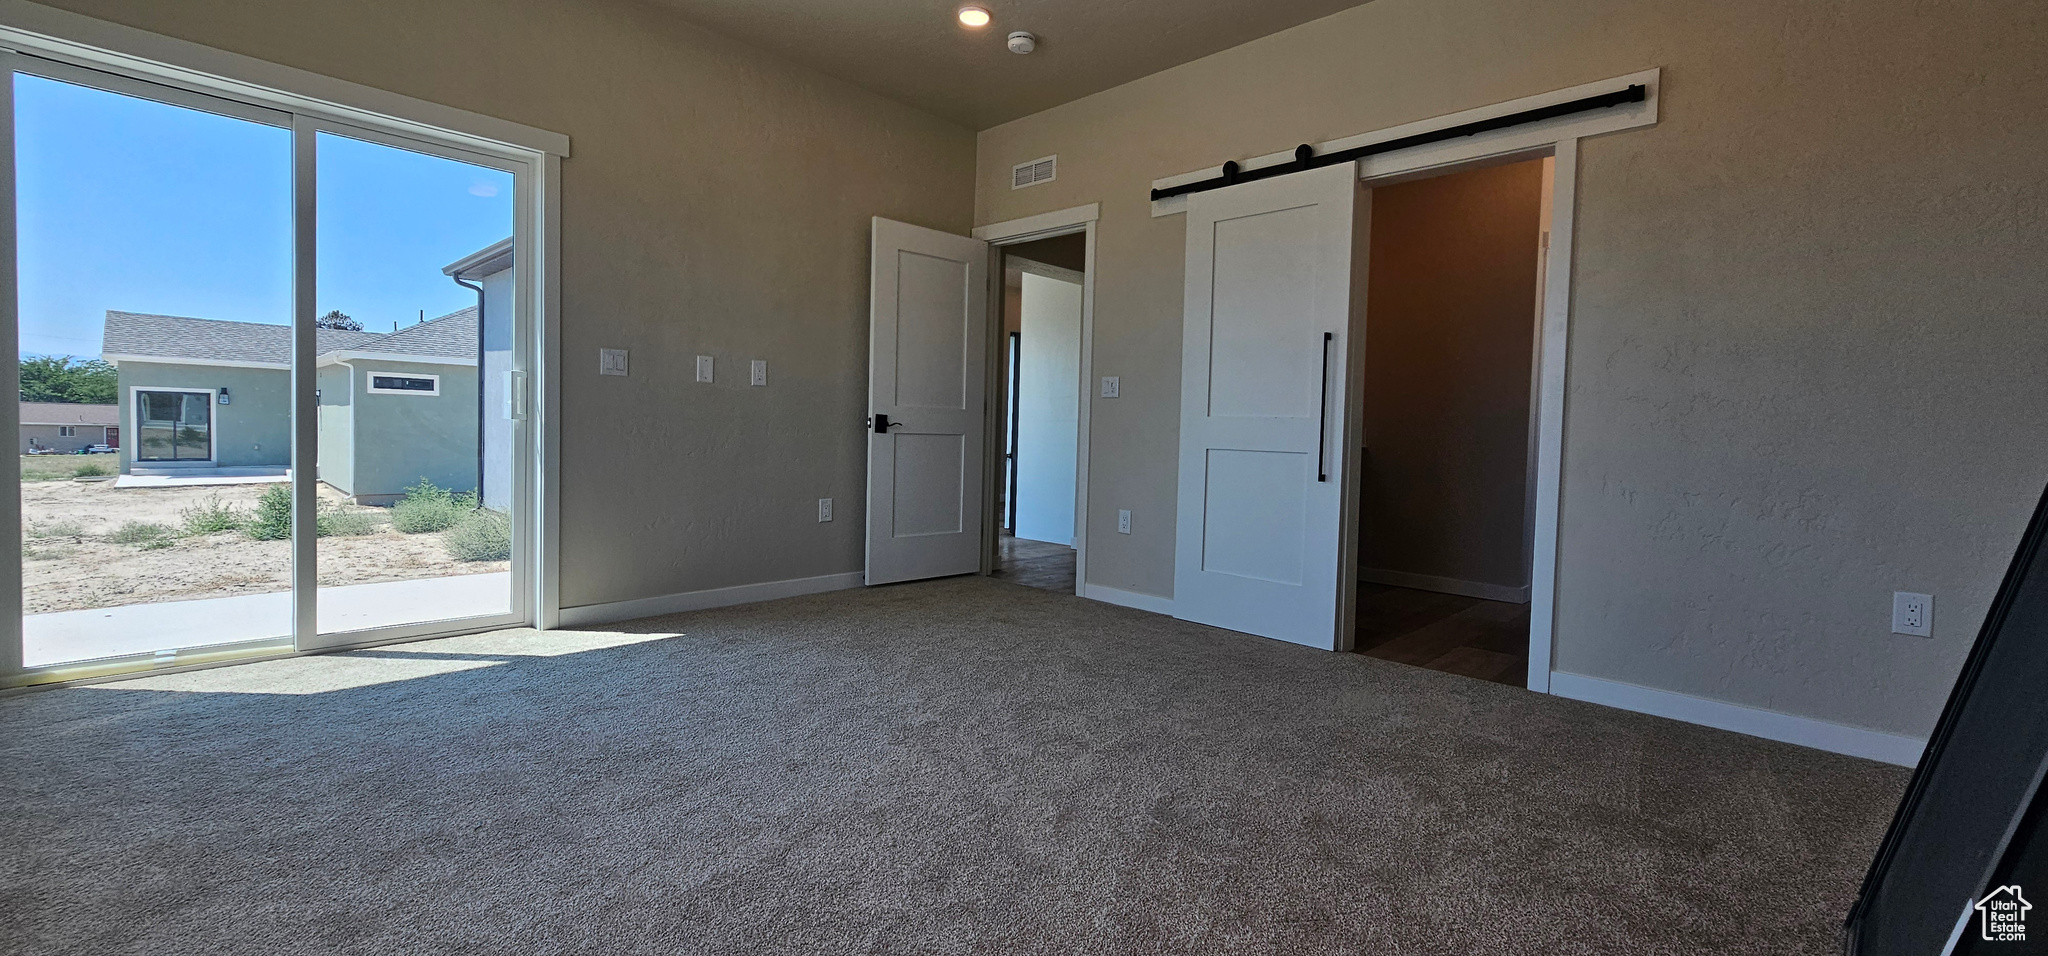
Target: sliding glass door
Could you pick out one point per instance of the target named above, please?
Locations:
(153, 238)
(305, 344)
(171, 425)
(416, 271)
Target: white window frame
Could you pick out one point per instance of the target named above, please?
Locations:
(67, 431)
(124, 59)
(375, 389)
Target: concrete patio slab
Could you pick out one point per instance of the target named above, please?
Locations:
(71, 636)
(202, 477)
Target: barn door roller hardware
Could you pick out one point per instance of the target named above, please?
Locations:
(1305, 157)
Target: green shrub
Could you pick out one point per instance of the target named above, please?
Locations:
(273, 518)
(428, 507)
(212, 515)
(91, 469)
(345, 522)
(484, 535)
(143, 533)
(61, 529)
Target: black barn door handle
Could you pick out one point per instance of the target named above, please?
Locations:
(1323, 412)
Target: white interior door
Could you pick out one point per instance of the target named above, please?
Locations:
(1265, 367)
(928, 366)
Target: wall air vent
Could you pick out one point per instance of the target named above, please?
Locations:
(1034, 172)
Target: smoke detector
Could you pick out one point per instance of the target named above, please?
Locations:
(1022, 42)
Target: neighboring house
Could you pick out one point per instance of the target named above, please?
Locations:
(489, 271)
(56, 426)
(395, 407)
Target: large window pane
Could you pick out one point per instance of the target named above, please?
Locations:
(155, 295)
(415, 278)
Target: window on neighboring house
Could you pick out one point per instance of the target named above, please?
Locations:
(405, 384)
(67, 431)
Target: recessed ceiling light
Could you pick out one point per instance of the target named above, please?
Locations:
(974, 17)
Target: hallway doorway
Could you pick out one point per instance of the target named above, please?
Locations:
(1041, 389)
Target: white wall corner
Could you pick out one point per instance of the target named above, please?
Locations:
(1769, 724)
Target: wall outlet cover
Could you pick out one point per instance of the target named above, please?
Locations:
(611, 361)
(1123, 522)
(1912, 614)
(758, 371)
(703, 368)
(824, 509)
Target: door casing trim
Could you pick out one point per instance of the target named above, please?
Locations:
(1064, 222)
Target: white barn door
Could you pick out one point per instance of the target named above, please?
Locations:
(1264, 375)
(927, 381)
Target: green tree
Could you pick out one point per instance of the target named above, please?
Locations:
(57, 378)
(337, 319)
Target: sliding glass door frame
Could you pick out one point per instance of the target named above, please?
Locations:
(306, 132)
(535, 175)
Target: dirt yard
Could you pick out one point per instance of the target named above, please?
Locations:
(69, 563)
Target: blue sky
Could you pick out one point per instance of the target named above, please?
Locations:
(139, 206)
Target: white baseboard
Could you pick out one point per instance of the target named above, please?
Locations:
(590, 614)
(1133, 599)
(1768, 724)
(1430, 582)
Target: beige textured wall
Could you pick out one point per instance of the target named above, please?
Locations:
(1450, 325)
(1808, 307)
(717, 203)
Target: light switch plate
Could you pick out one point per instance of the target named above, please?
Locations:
(1109, 386)
(611, 361)
(758, 370)
(703, 368)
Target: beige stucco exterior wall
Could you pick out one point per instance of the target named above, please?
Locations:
(1807, 334)
(717, 203)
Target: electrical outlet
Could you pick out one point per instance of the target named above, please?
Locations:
(1912, 614)
(611, 361)
(1109, 386)
(758, 369)
(824, 509)
(1123, 522)
(703, 368)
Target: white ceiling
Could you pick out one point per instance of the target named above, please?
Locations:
(916, 52)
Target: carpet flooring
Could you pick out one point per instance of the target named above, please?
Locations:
(959, 766)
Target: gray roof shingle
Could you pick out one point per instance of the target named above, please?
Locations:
(59, 413)
(173, 336)
(450, 336)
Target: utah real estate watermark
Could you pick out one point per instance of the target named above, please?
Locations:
(2002, 915)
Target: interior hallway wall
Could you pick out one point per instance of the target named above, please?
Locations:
(1048, 408)
(1449, 337)
(1806, 350)
(716, 203)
